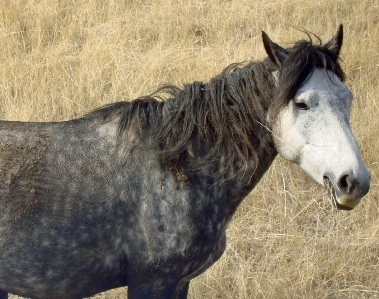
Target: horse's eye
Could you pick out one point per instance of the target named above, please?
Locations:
(301, 106)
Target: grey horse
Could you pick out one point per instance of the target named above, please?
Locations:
(140, 193)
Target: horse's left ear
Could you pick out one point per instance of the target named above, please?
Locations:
(335, 44)
(276, 53)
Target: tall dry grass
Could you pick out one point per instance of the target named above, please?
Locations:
(62, 58)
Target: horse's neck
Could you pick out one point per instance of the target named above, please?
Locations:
(243, 183)
(228, 189)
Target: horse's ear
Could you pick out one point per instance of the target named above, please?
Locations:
(276, 53)
(335, 44)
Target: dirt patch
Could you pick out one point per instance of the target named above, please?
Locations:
(20, 176)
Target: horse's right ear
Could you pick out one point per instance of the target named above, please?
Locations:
(335, 44)
(276, 53)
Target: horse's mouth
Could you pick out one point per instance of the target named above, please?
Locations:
(333, 195)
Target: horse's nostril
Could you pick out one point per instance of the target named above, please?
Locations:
(347, 184)
(343, 182)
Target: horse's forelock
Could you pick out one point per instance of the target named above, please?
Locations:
(303, 58)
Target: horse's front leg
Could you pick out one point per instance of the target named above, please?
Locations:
(3, 295)
(157, 290)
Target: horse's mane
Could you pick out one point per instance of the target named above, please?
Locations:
(227, 115)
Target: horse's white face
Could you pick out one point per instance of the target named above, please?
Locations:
(313, 131)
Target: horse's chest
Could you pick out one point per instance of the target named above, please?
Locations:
(205, 257)
(177, 226)
(176, 241)
(189, 261)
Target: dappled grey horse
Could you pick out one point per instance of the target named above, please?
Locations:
(140, 193)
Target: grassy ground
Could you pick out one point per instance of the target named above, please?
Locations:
(61, 58)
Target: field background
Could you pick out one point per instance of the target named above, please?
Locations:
(62, 58)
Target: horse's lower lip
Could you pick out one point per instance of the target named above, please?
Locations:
(342, 207)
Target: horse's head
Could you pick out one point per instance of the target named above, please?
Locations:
(312, 128)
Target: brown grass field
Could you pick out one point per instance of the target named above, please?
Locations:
(62, 58)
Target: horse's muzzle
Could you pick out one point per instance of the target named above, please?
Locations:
(347, 193)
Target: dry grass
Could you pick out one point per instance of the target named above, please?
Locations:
(62, 58)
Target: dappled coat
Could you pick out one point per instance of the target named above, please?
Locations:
(140, 193)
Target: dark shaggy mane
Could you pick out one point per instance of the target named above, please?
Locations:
(226, 116)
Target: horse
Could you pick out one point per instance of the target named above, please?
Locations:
(140, 193)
